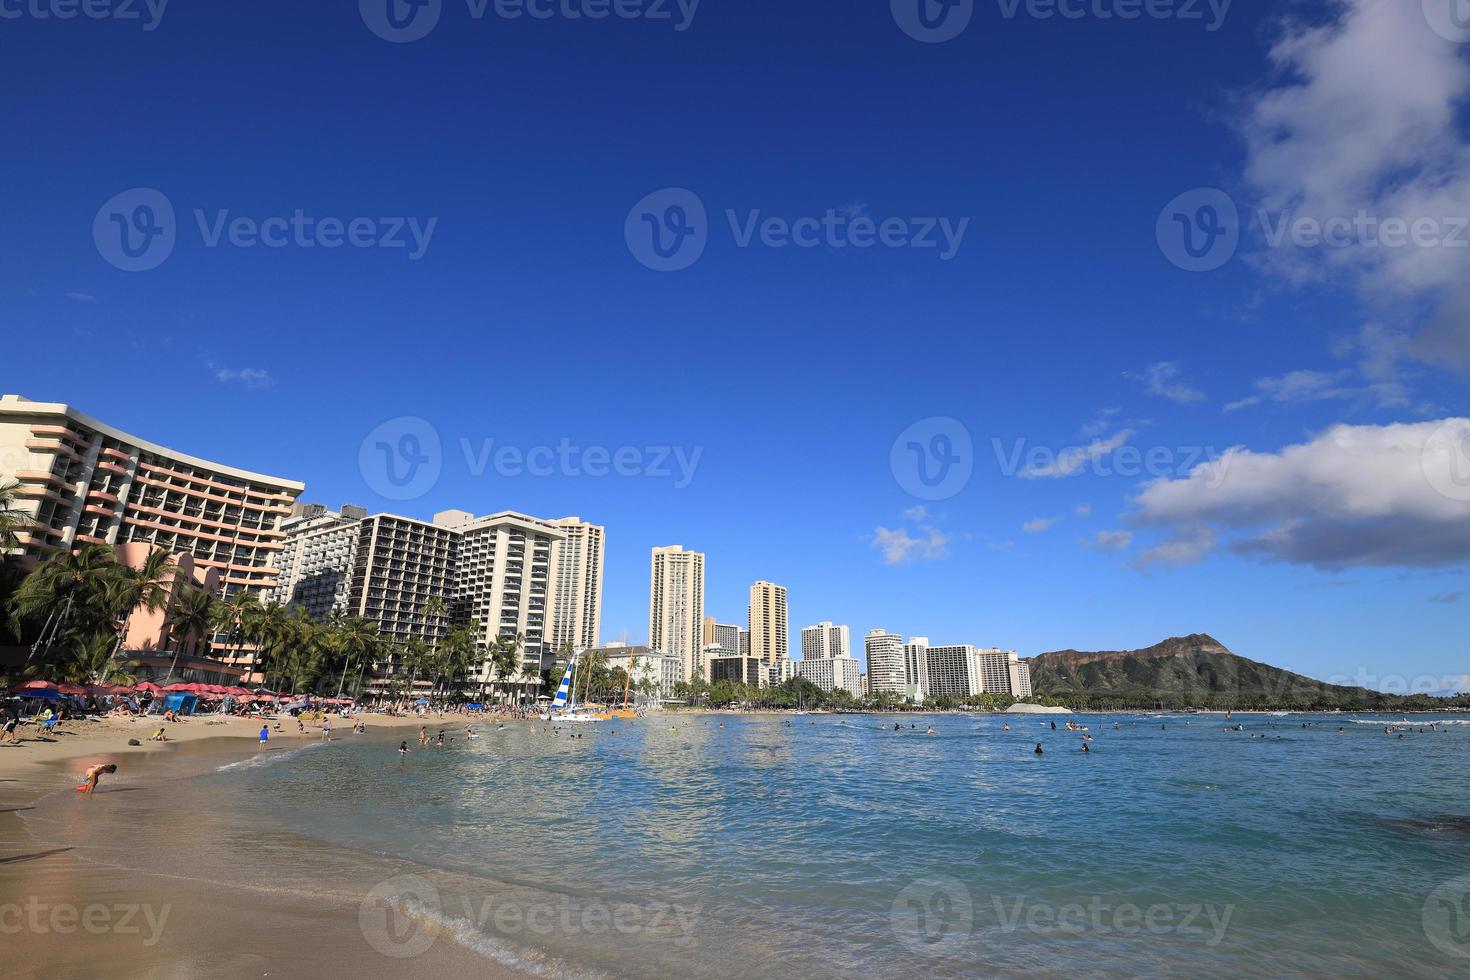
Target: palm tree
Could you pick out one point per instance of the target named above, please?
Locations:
(192, 617)
(434, 612)
(455, 653)
(415, 656)
(12, 520)
(505, 659)
(146, 586)
(355, 638)
(68, 589)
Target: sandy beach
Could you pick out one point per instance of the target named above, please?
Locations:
(92, 890)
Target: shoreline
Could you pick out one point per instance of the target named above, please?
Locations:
(65, 857)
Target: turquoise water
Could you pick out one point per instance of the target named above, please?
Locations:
(833, 845)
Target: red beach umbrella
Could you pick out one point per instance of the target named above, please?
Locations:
(34, 686)
(72, 689)
(146, 686)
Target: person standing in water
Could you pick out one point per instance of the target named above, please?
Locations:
(1038, 749)
(93, 776)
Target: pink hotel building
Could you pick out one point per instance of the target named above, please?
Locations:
(80, 482)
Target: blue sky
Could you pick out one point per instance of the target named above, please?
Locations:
(527, 152)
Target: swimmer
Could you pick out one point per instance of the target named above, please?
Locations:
(402, 749)
(931, 731)
(1038, 749)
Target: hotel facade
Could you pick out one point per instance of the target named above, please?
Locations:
(825, 641)
(80, 481)
(676, 606)
(769, 641)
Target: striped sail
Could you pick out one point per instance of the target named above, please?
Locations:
(559, 703)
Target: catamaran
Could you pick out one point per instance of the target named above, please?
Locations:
(564, 705)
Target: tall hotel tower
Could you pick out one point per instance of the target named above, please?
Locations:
(676, 605)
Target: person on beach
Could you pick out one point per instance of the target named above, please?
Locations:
(326, 729)
(265, 734)
(10, 733)
(158, 736)
(92, 776)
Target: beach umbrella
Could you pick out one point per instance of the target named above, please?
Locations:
(34, 686)
(105, 689)
(146, 687)
(72, 689)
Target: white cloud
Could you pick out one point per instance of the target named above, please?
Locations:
(81, 297)
(1166, 380)
(1074, 458)
(1391, 495)
(918, 513)
(1100, 423)
(1111, 541)
(1366, 121)
(249, 377)
(1038, 524)
(1082, 510)
(899, 547)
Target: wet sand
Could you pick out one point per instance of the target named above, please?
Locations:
(124, 885)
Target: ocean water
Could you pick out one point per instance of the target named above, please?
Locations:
(826, 846)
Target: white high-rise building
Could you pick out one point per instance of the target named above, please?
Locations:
(1020, 676)
(676, 605)
(916, 668)
(576, 609)
(884, 651)
(316, 563)
(832, 673)
(825, 641)
(768, 636)
(506, 577)
(955, 670)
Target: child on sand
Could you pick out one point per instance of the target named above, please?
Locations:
(265, 734)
